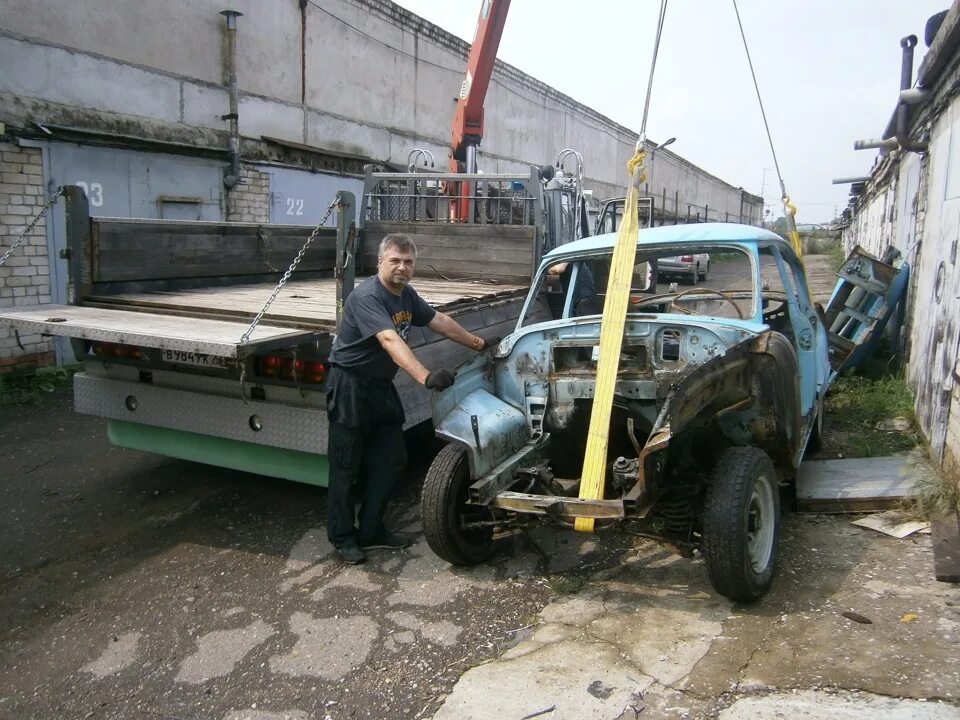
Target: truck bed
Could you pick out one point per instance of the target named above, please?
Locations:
(306, 304)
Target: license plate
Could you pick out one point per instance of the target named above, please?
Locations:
(182, 357)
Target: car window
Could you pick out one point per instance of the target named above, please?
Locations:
(703, 281)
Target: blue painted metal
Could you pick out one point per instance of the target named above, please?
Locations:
(699, 233)
(487, 427)
(862, 302)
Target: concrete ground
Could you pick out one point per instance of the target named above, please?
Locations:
(143, 588)
(133, 586)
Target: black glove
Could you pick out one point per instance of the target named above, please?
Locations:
(490, 342)
(439, 379)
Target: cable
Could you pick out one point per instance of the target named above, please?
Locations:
(766, 125)
(653, 66)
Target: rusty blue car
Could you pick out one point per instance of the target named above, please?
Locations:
(719, 391)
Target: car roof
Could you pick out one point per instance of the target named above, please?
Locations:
(690, 234)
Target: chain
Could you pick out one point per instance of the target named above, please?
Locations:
(289, 272)
(43, 211)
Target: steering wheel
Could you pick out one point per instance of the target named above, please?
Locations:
(703, 291)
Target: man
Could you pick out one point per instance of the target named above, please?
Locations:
(363, 408)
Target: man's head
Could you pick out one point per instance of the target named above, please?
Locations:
(396, 257)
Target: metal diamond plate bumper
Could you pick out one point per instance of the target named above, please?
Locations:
(280, 425)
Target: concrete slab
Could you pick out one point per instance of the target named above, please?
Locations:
(811, 705)
(855, 484)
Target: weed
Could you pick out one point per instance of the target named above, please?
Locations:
(855, 408)
(936, 490)
(567, 584)
(838, 256)
(29, 388)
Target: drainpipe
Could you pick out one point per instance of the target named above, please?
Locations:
(902, 130)
(897, 133)
(231, 177)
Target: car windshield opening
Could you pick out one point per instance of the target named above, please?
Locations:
(704, 281)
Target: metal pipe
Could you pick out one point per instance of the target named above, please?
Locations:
(888, 144)
(845, 181)
(915, 96)
(471, 163)
(902, 132)
(231, 177)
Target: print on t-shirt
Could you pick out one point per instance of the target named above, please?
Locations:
(401, 323)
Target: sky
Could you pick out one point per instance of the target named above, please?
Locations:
(828, 70)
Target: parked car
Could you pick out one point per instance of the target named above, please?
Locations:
(718, 393)
(691, 267)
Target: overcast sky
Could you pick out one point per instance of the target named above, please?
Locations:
(829, 72)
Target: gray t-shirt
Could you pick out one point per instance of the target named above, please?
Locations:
(369, 309)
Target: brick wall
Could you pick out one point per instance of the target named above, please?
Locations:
(25, 277)
(250, 200)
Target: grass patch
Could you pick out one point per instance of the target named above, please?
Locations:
(856, 405)
(936, 490)
(567, 584)
(30, 388)
(837, 255)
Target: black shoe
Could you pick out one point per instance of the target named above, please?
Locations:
(350, 554)
(387, 541)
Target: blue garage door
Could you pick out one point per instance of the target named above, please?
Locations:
(299, 197)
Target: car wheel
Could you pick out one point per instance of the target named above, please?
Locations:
(444, 510)
(706, 273)
(741, 524)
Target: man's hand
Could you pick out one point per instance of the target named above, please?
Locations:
(490, 342)
(439, 379)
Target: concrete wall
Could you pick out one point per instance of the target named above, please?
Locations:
(363, 77)
(24, 278)
(912, 202)
(353, 81)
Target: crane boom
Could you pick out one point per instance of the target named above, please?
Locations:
(467, 129)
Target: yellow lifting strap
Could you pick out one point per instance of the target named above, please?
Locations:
(789, 214)
(611, 339)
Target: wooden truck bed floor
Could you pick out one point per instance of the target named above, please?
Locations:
(301, 303)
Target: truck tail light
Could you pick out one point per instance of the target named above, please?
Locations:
(686, 258)
(267, 366)
(290, 369)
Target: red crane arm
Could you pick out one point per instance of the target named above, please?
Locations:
(467, 128)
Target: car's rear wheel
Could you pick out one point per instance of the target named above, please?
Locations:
(444, 511)
(741, 524)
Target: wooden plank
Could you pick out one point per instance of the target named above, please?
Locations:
(854, 484)
(158, 249)
(945, 537)
(503, 252)
(303, 302)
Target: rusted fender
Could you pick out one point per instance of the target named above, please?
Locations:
(753, 388)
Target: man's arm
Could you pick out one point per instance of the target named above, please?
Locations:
(402, 355)
(445, 325)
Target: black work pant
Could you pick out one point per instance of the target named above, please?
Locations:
(382, 452)
(365, 432)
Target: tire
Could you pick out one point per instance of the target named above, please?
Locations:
(706, 273)
(443, 505)
(741, 524)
